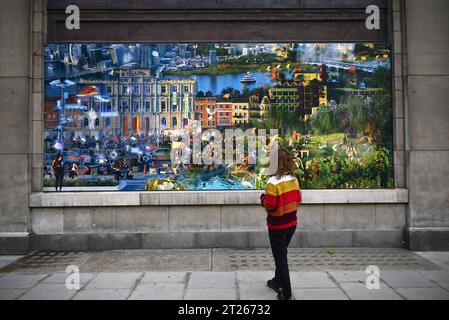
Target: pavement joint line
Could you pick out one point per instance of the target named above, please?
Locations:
(187, 279)
(136, 283)
(237, 287)
(83, 287)
(397, 292)
(440, 286)
(338, 285)
(211, 259)
(33, 286)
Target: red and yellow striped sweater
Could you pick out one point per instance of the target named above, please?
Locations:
(281, 200)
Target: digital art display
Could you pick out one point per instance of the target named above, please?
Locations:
(114, 112)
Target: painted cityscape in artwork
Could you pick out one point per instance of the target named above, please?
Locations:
(113, 113)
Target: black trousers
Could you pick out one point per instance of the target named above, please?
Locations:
(279, 240)
(59, 178)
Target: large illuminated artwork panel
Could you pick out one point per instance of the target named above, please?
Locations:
(115, 112)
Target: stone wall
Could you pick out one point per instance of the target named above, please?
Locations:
(243, 226)
(427, 92)
(419, 204)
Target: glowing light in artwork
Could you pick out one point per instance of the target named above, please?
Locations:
(92, 116)
(58, 145)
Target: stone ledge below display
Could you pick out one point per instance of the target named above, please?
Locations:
(427, 238)
(14, 242)
(132, 198)
(244, 239)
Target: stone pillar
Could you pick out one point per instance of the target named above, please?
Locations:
(427, 117)
(15, 120)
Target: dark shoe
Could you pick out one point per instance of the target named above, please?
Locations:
(282, 296)
(272, 285)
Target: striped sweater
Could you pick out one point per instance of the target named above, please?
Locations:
(281, 200)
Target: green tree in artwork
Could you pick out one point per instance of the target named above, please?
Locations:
(283, 119)
(381, 78)
(372, 115)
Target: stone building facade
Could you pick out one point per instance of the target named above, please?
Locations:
(414, 214)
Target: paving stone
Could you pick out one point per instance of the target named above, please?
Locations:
(311, 280)
(174, 260)
(10, 294)
(349, 276)
(254, 276)
(45, 291)
(444, 284)
(440, 258)
(256, 291)
(319, 294)
(6, 260)
(20, 281)
(164, 277)
(212, 280)
(103, 294)
(124, 280)
(166, 291)
(62, 277)
(424, 293)
(405, 279)
(436, 275)
(210, 294)
(358, 291)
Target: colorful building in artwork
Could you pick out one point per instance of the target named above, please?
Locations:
(141, 102)
(304, 97)
(176, 103)
(51, 115)
(284, 98)
(224, 114)
(205, 111)
(240, 113)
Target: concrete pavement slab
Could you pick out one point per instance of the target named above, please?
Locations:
(436, 275)
(319, 294)
(405, 279)
(254, 276)
(45, 291)
(103, 294)
(256, 291)
(212, 280)
(20, 281)
(440, 258)
(60, 277)
(164, 277)
(210, 294)
(311, 280)
(424, 293)
(349, 276)
(165, 291)
(125, 280)
(358, 291)
(11, 294)
(6, 260)
(444, 284)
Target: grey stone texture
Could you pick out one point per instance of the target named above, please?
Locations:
(187, 219)
(411, 281)
(428, 90)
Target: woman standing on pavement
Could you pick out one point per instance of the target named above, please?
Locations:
(281, 200)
